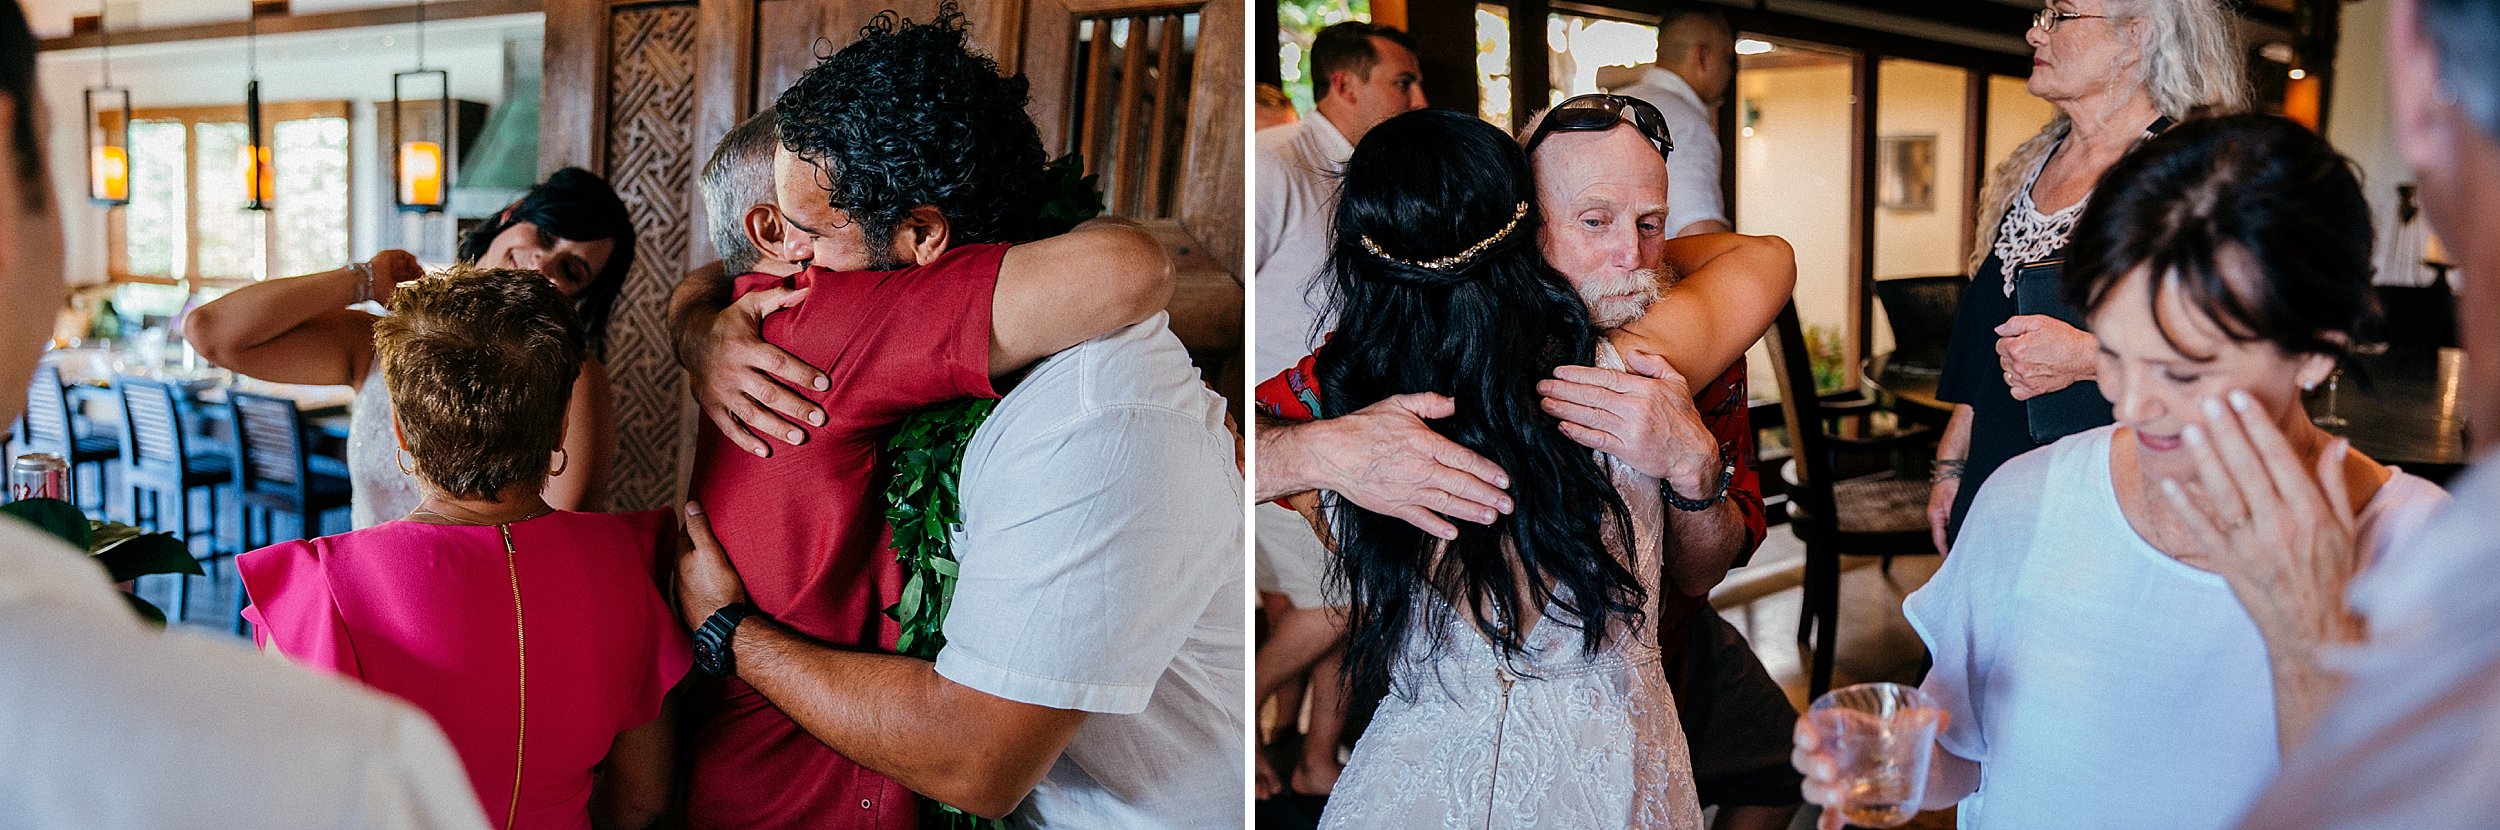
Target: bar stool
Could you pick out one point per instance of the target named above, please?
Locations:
(274, 474)
(49, 427)
(157, 462)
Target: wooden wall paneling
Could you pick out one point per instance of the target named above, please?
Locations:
(1160, 129)
(791, 36)
(1213, 161)
(724, 94)
(1097, 92)
(1127, 129)
(1049, 65)
(572, 105)
(648, 143)
(998, 30)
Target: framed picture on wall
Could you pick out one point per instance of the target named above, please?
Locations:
(1907, 173)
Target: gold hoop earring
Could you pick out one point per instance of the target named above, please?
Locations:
(407, 462)
(564, 461)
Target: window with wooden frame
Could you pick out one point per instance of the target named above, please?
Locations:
(186, 221)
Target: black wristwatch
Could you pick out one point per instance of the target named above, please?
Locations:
(711, 641)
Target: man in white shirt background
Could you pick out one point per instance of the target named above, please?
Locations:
(1362, 74)
(106, 722)
(1695, 68)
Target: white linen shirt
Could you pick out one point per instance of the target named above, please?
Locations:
(2099, 682)
(1297, 166)
(105, 722)
(1101, 555)
(1693, 169)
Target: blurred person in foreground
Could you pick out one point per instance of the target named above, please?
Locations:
(2408, 677)
(111, 723)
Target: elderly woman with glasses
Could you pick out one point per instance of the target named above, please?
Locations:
(2019, 371)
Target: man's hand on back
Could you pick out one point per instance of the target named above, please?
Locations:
(743, 383)
(1644, 417)
(1384, 459)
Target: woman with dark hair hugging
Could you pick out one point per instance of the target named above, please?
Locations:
(571, 228)
(2105, 658)
(1520, 659)
(535, 637)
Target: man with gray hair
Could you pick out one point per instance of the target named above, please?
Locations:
(752, 237)
(748, 230)
(2414, 738)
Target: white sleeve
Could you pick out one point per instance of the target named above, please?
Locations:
(415, 782)
(1089, 554)
(1693, 175)
(1959, 612)
(1273, 207)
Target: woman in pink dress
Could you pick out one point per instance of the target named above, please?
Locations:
(536, 638)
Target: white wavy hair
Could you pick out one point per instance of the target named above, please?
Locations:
(2189, 65)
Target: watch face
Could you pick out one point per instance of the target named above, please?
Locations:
(708, 656)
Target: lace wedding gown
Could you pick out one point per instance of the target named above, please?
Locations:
(1554, 739)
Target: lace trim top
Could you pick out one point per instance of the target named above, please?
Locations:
(2026, 235)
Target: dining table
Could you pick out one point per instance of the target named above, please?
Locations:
(2401, 405)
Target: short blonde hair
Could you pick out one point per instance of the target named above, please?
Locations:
(480, 366)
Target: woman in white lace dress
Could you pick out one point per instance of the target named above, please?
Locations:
(1520, 658)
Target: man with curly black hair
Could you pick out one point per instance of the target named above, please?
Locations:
(1092, 670)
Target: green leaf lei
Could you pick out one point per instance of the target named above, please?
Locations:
(924, 506)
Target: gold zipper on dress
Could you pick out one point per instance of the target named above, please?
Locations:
(1501, 727)
(520, 634)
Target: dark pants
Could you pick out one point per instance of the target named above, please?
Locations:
(1736, 719)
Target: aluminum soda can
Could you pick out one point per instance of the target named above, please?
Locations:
(38, 475)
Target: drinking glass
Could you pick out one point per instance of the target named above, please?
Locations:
(1881, 736)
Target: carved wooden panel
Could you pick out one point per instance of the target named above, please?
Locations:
(651, 160)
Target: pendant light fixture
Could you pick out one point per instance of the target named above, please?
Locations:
(108, 130)
(420, 172)
(259, 177)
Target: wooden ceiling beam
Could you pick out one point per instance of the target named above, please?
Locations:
(283, 24)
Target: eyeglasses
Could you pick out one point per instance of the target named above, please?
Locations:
(1589, 113)
(2048, 19)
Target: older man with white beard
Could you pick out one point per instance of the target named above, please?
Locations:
(1675, 308)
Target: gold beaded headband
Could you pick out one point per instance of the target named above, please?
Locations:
(1457, 260)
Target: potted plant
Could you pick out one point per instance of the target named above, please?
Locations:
(125, 552)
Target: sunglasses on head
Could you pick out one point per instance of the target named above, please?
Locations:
(1589, 113)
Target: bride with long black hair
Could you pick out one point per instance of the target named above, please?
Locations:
(1520, 660)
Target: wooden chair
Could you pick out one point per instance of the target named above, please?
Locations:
(1881, 513)
(157, 462)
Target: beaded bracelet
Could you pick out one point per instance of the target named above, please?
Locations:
(1727, 474)
(1943, 469)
